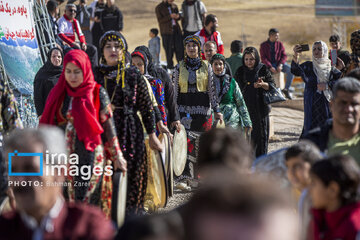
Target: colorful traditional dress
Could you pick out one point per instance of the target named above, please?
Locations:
(232, 104)
(98, 189)
(196, 99)
(85, 114)
(126, 101)
(158, 91)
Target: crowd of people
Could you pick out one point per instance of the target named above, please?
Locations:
(100, 101)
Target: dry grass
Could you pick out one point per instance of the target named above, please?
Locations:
(294, 18)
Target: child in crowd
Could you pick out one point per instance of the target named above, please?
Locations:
(334, 195)
(154, 46)
(299, 159)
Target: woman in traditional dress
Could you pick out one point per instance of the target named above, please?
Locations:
(171, 107)
(196, 98)
(140, 61)
(82, 108)
(254, 78)
(46, 78)
(319, 77)
(128, 95)
(232, 104)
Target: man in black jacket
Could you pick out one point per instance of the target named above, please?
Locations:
(341, 135)
(111, 18)
(192, 16)
(167, 14)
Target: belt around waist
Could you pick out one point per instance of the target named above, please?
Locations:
(85, 28)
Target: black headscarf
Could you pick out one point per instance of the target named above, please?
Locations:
(49, 70)
(45, 79)
(258, 65)
(150, 66)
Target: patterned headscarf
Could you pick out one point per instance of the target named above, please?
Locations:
(115, 36)
(322, 67)
(195, 39)
(355, 42)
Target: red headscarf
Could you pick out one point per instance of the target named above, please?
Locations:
(84, 111)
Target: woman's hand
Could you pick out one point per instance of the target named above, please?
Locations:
(121, 164)
(154, 142)
(261, 84)
(219, 116)
(297, 52)
(340, 64)
(176, 125)
(322, 86)
(162, 128)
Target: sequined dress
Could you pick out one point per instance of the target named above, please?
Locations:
(127, 102)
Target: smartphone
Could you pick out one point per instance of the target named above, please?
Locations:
(333, 56)
(304, 47)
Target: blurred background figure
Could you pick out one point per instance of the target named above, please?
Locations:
(193, 13)
(232, 206)
(154, 46)
(209, 33)
(299, 158)
(83, 16)
(334, 194)
(153, 227)
(41, 211)
(274, 57)
(223, 147)
(235, 60)
(167, 14)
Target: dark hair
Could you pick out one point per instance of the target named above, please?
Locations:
(273, 31)
(347, 84)
(252, 51)
(334, 38)
(51, 6)
(355, 73)
(342, 170)
(304, 149)
(209, 19)
(223, 147)
(236, 46)
(152, 226)
(243, 196)
(155, 31)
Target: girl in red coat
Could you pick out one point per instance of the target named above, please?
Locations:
(334, 195)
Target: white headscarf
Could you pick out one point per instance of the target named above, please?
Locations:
(322, 67)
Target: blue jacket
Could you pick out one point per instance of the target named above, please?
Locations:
(320, 135)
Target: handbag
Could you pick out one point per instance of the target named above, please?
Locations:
(273, 95)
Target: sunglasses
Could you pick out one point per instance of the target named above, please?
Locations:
(72, 10)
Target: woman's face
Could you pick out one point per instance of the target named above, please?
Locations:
(112, 52)
(249, 60)
(56, 58)
(139, 63)
(218, 66)
(319, 193)
(317, 50)
(192, 50)
(73, 75)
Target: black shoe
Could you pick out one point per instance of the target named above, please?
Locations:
(287, 94)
